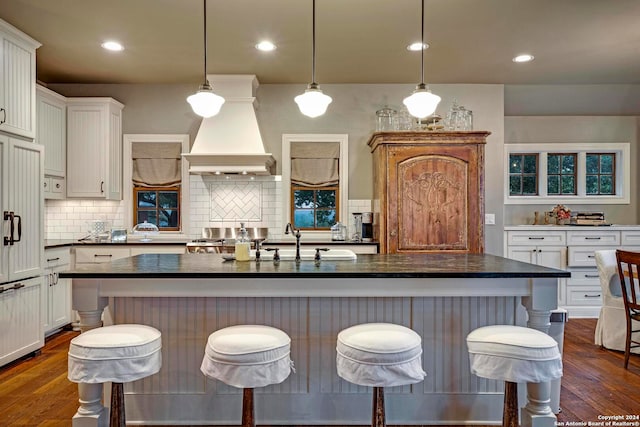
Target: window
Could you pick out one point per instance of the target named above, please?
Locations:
(156, 181)
(561, 173)
(601, 173)
(314, 209)
(523, 172)
(314, 175)
(570, 172)
(159, 206)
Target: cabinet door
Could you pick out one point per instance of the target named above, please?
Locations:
(52, 130)
(87, 151)
(435, 200)
(526, 254)
(17, 86)
(4, 188)
(26, 200)
(552, 256)
(59, 299)
(21, 331)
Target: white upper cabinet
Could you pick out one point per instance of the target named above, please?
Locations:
(51, 132)
(17, 81)
(94, 148)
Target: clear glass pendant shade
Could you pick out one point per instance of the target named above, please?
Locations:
(421, 103)
(205, 103)
(313, 102)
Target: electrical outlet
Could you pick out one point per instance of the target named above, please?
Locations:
(490, 219)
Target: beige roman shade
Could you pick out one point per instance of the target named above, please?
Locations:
(315, 164)
(156, 164)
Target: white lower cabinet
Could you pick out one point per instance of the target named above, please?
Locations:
(581, 294)
(56, 292)
(21, 331)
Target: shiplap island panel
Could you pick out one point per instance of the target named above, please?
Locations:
(441, 296)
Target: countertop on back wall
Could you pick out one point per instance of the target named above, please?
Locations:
(55, 243)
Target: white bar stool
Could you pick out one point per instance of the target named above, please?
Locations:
(248, 356)
(516, 354)
(117, 354)
(379, 355)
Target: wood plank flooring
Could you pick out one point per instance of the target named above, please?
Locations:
(35, 391)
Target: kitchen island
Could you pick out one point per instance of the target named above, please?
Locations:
(441, 296)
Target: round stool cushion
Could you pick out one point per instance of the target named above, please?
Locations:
(118, 353)
(379, 355)
(514, 353)
(248, 356)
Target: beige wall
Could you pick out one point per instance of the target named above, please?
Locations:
(602, 130)
(163, 109)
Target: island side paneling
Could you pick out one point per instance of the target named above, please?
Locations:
(314, 394)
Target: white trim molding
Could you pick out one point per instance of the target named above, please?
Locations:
(343, 140)
(623, 173)
(127, 182)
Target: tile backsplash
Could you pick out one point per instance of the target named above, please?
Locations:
(216, 201)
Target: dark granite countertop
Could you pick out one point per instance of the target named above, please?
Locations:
(440, 265)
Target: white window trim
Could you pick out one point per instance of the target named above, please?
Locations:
(343, 140)
(623, 175)
(127, 173)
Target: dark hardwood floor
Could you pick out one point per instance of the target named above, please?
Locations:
(35, 391)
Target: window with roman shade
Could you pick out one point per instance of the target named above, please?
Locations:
(156, 178)
(315, 182)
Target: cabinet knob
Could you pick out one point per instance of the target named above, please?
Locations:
(58, 185)
(393, 233)
(45, 184)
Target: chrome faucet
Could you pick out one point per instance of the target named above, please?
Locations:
(296, 232)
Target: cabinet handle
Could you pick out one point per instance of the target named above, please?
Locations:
(591, 276)
(102, 186)
(56, 276)
(592, 238)
(14, 287)
(4, 116)
(19, 228)
(53, 259)
(536, 238)
(98, 255)
(591, 296)
(9, 216)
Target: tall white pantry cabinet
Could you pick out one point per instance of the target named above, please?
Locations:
(21, 199)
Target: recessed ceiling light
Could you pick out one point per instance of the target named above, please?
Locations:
(523, 58)
(266, 46)
(417, 46)
(112, 46)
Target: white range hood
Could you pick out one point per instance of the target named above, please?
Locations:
(230, 142)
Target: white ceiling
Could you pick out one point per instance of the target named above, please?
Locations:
(358, 41)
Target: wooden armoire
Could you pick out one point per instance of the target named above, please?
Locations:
(428, 191)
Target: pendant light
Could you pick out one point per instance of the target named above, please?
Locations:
(422, 103)
(313, 102)
(204, 102)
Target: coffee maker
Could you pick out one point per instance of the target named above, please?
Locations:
(363, 222)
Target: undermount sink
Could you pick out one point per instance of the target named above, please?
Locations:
(309, 254)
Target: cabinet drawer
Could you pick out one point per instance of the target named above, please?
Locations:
(593, 238)
(584, 256)
(55, 257)
(57, 185)
(100, 254)
(584, 277)
(631, 238)
(538, 238)
(584, 295)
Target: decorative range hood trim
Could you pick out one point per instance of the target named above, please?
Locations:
(230, 142)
